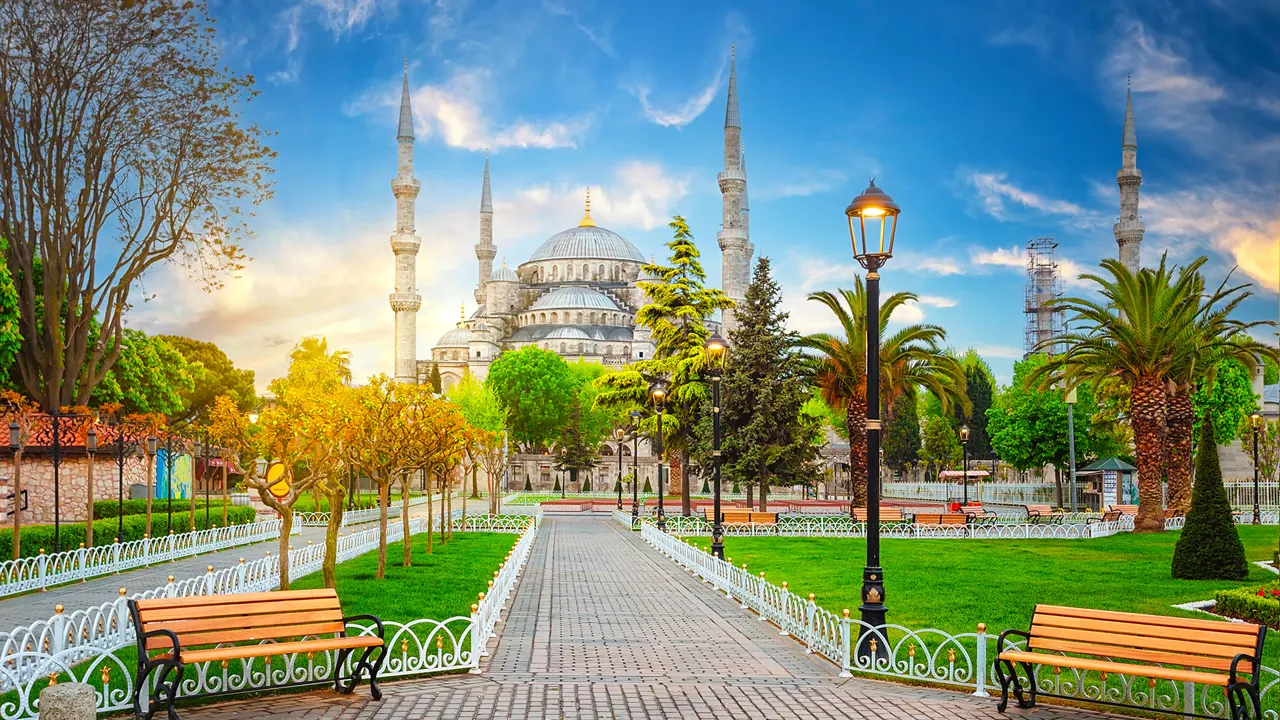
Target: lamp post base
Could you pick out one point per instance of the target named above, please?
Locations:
(662, 520)
(1257, 513)
(717, 541)
(872, 643)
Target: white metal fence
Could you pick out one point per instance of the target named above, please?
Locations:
(987, 492)
(95, 646)
(962, 660)
(357, 517)
(43, 571)
(1240, 493)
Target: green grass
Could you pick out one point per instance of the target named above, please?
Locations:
(438, 585)
(953, 585)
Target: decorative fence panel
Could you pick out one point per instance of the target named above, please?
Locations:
(357, 517)
(44, 571)
(1240, 493)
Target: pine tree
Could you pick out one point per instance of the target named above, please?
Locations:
(586, 485)
(980, 388)
(556, 487)
(437, 384)
(648, 489)
(578, 454)
(764, 437)
(902, 436)
(1210, 547)
(676, 315)
(528, 485)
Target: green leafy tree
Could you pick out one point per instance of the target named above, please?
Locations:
(1270, 371)
(980, 389)
(940, 447)
(902, 434)
(1209, 547)
(578, 452)
(1228, 398)
(10, 322)
(219, 377)
(598, 421)
(150, 376)
(536, 388)
(676, 315)
(765, 436)
(437, 383)
(123, 147)
(478, 404)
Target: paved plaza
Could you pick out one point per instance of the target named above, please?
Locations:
(602, 626)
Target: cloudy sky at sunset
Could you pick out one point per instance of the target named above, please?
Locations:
(990, 123)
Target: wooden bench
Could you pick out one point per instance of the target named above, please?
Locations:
(740, 516)
(1124, 509)
(1039, 513)
(887, 515)
(1108, 516)
(210, 628)
(978, 513)
(1206, 652)
(941, 519)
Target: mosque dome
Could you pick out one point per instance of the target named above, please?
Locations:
(457, 337)
(504, 274)
(575, 297)
(587, 241)
(567, 333)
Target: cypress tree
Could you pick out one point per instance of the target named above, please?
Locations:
(528, 486)
(647, 487)
(436, 382)
(1210, 547)
(902, 436)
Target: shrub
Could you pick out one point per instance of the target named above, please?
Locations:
(1261, 606)
(706, 486)
(736, 489)
(110, 508)
(528, 486)
(647, 487)
(617, 486)
(586, 485)
(35, 537)
(1210, 547)
(557, 487)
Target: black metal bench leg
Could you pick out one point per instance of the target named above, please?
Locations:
(1005, 680)
(338, 662)
(1031, 687)
(1243, 702)
(166, 690)
(361, 666)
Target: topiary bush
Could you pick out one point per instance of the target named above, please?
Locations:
(35, 537)
(528, 486)
(706, 486)
(557, 485)
(647, 487)
(1210, 547)
(617, 486)
(586, 485)
(736, 489)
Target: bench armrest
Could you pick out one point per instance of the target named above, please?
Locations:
(1244, 657)
(373, 618)
(1007, 633)
(173, 638)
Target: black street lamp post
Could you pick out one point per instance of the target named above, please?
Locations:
(1256, 420)
(119, 481)
(873, 207)
(635, 467)
(964, 442)
(621, 435)
(716, 348)
(563, 482)
(168, 478)
(659, 393)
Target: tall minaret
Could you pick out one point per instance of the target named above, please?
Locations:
(405, 301)
(485, 251)
(1130, 229)
(735, 245)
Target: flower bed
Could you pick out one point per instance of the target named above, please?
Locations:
(1261, 606)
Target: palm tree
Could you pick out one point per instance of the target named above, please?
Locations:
(1135, 336)
(910, 358)
(1217, 337)
(313, 347)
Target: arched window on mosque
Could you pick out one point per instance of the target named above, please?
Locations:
(555, 318)
(542, 317)
(555, 273)
(581, 347)
(617, 272)
(563, 347)
(593, 318)
(568, 272)
(608, 349)
(579, 317)
(586, 270)
(601, 273)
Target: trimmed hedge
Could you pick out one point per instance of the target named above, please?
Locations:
(35, 537)
(109, 508)
(1261, 606)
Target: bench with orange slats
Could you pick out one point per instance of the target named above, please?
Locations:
(175, 632)
(941, 519)
(1043, 514)
(1124, 509)
(887, 514)
(1156, 647)
(736, 516)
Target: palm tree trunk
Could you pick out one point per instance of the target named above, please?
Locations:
(855, 419)
(1147, 418)
(686, 503)
(1179, 422)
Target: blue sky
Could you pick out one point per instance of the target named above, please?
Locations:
(990, 123)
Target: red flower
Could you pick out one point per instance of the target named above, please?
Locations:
(1262, 593)
(1275, 592)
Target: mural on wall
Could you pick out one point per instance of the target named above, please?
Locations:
(182, 474)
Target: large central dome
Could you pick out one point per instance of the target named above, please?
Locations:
(587, 242)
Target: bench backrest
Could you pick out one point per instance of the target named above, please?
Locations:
(944, 519)
(735, 515)
(973, 509)
(216, 619)
(887, 514)
(768, 518)
(1124, 509)
(1039, 509)
(1112, 516)
(1206, 644)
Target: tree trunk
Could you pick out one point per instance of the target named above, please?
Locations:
(764, 489)
(17, 506)
(193, 493)
(675, 475)
(286, 527)
(1057, 484)
(1147, 418)
(855, 418)
(444, 500)
(384, 499)
(751, 487)
(329, 568)
(404, 520)
(429, 529)
(1179, 424)
(475, 482)
(686, 503)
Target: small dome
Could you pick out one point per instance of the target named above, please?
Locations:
(457, 337)
(575, 298)
(587, 242)
(504, 274)
(567, 333)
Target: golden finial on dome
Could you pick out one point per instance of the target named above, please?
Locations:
(462, 312)
(586, 219)
(504, 262)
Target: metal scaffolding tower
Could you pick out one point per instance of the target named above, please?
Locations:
(1044, 323)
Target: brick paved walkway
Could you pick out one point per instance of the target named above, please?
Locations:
(604, 627)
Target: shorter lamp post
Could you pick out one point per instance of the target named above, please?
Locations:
(621, 435)
(560, 470)
(716, 349)
(1256, 421)
(90, 449)
(152, 449)
(635, 467)
(1070, 399)
(659, 393)
(964, 442)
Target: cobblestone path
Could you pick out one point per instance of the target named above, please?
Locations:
(604, 627)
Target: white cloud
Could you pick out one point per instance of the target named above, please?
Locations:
(1237, 221)
(1033, 37)
(454, 111)
(928, 264)
(998, 351)
(443, 20)
(685, 111)
(344, 16)
(1014, 257)
(936, 301)
(287, 76)
(996, 191)
(599, 38)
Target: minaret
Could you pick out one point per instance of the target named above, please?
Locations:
(405, 301)
(1129, 230)
(485, 251)
(735, 245)
(746, 211)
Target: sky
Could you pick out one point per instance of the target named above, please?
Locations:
(991, 124)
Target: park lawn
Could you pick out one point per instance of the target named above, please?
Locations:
(438, 585)
(953, 585)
